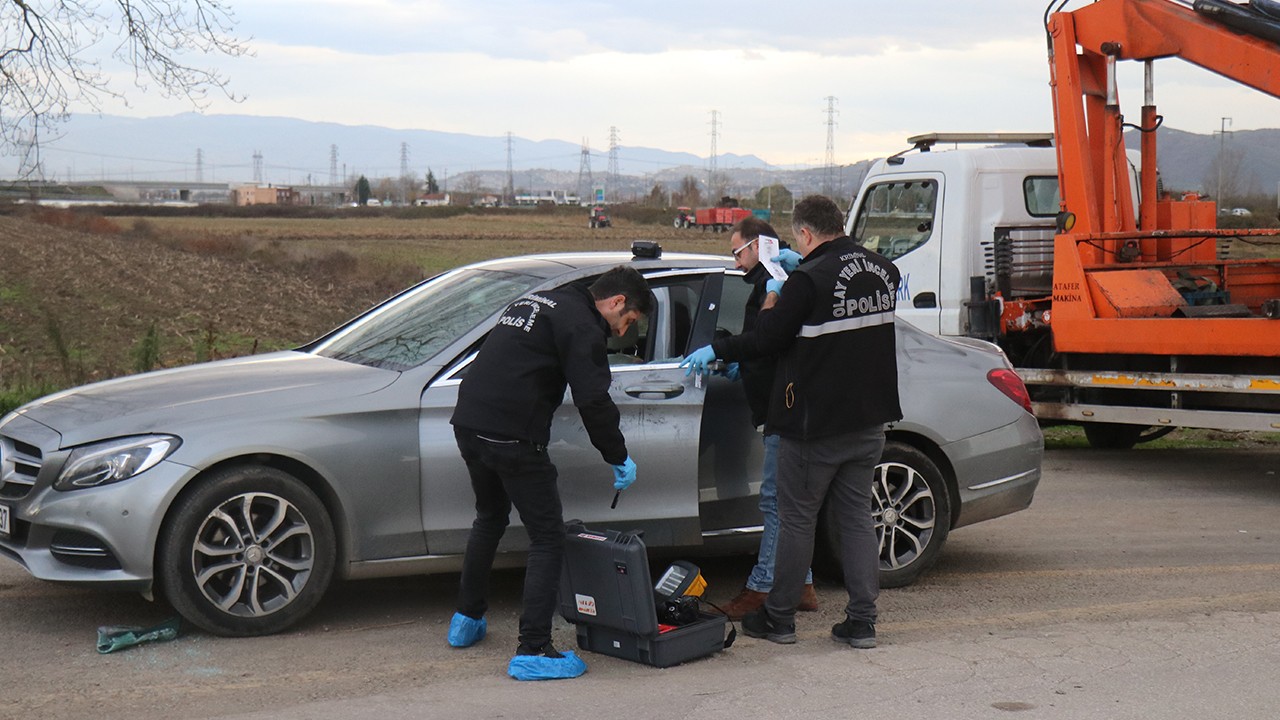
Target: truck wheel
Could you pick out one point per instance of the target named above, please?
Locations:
(1112, 436)
(250, 552)
(911, 508)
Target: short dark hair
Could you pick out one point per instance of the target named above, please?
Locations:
(628, 282)
(820, 214)
(753, 227)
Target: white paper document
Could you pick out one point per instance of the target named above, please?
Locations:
(768, 251)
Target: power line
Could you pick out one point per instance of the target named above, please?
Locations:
(584, 172)
(509, 194)
(830, 164)
(711, 161)
(612, 178)
(30, 167)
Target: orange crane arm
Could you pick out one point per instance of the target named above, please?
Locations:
(1152, 29)
(1093, 169)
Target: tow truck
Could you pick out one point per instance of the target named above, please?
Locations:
(1112, 299)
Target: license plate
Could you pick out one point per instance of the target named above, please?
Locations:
(4, 520)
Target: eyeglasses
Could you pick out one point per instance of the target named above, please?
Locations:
(746, 245)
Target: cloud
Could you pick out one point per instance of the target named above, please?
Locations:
(655, 70)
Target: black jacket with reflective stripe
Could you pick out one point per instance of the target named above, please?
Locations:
(833, 326)
(542, 343)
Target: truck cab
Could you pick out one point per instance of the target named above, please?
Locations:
(937, 214)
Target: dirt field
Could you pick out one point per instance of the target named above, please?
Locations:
(79, 294)
(434, 244)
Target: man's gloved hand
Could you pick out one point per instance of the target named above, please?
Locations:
(774, 286)
(789, 259)
(624, 474)
(698, 360)
(730, 371)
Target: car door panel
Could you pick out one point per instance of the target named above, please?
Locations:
(661, 417)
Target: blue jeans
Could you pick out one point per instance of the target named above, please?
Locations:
(761, 579)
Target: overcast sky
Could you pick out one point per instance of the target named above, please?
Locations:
(655, 70)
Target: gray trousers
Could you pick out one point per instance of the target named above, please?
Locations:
(839, 470)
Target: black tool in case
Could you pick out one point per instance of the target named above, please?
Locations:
(607, 592)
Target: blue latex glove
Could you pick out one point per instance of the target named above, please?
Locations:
(731, 371)
(624, 474)
(698, 360)
(773, 286)
(789, 259)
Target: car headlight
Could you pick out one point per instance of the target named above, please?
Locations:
(113, 460)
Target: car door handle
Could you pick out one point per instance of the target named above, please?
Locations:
(652, 391)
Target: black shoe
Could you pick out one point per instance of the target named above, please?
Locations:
(857, 633)
(547, 650)
(759, 625)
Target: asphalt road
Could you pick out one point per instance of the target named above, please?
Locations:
(1139, 584)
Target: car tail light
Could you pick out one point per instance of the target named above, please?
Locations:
(1008, 382)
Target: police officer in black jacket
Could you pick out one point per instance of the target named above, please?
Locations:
(502, 422)
(757, 382)
(835, 388)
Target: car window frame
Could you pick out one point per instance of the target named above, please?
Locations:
(449, 374)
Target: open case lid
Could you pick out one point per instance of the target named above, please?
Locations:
(606, 581)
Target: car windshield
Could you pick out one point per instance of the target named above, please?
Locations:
(409, 330)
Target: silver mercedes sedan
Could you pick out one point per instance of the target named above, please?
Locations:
(238, 489)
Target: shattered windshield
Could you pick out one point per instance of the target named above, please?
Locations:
(412, 328)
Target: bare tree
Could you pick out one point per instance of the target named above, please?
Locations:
(51, 50)
(689, 194)
(1225, 178)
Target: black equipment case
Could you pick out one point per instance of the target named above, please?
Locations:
(607, 592)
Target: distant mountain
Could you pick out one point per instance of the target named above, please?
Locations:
(295, 151)
(1187, 160)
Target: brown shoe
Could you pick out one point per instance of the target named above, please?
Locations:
(747, 601)
(808, 599)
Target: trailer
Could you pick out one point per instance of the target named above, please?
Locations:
(720, 219)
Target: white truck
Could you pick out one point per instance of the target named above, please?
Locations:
(972, 230)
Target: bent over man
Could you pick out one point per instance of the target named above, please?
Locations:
(836, 386)
(502, 423)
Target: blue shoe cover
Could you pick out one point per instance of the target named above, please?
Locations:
(465, 631)
(536, 667)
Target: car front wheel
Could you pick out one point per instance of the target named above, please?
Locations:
(249, 552)
(911, 511)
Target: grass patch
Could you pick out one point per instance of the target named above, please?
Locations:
(1065, 437)
(15, 396)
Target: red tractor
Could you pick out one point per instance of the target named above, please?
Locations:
(598, 218)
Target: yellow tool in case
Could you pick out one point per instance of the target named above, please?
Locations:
(606, 592)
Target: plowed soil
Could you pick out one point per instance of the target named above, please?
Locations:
(78, 294)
